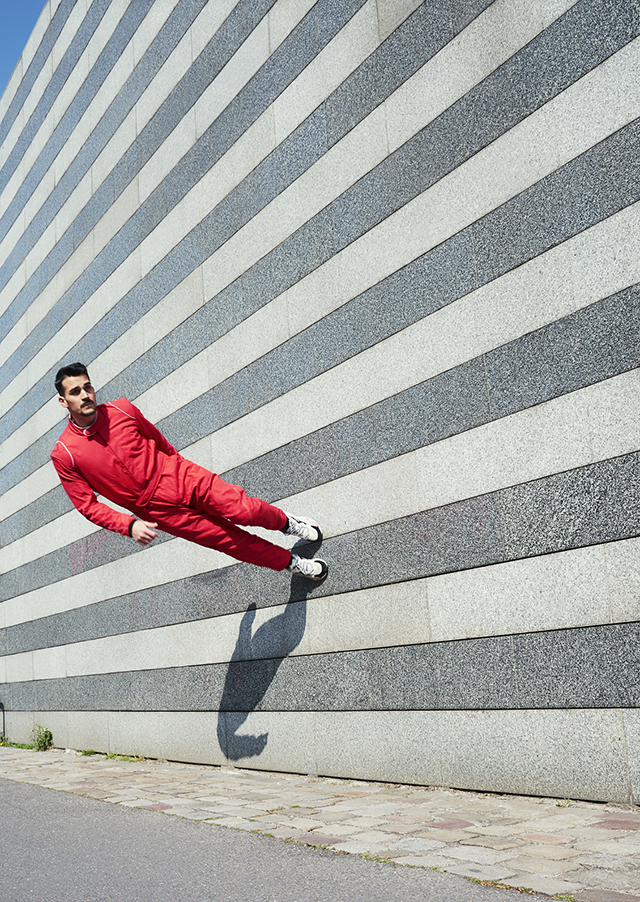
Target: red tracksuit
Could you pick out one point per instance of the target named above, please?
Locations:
(123, 457)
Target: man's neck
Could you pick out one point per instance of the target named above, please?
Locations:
(85, 425)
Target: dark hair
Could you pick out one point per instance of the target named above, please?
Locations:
(73, 369)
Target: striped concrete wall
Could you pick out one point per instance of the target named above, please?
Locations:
(374, 260)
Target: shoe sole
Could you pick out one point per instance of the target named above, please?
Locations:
(323, 575)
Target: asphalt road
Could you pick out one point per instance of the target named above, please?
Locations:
(57, 847)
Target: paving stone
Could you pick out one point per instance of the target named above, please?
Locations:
(417, 845)
(401, 829)
(304, 823)
(476, 854)
(353, 847)
(491, 842)
(546, 838)
(603, 895)
(480, 872)
(616, 879)
(317, 839)
(499, 830)
(136, 803)
(410, 818)
(283, 832)
(596, 833)
(452, 824)
(342, 830)
(540, 866)
(619, 823)
(375, 836)
(615, 847)
(231, 822)
(447, 835)
(425, 861)
(552, 853)
(546, 885)
(365, 821)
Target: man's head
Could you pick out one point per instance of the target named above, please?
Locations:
(77, 393)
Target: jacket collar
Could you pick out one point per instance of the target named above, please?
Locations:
(90, 430)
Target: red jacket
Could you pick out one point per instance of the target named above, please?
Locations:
(121, 456)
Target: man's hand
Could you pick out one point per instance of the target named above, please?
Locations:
(143, 532)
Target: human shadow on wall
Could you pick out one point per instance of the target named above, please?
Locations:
(254, 664)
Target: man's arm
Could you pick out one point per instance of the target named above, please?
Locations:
(152, 432)
(84, 499)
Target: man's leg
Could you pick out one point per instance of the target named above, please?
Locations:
(216, 532)
(197, 505)
(205, 491)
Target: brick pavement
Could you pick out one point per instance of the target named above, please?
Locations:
(584, 850)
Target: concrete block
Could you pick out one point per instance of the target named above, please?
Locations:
(555, 591)
(235, 75)
(125, 206)
(280, 741)
(592, 345)
(495, 35)
(12, 236)
(185, 384)
(113, 82)
(374, 745)
(390, 615)
(40, 194)
(391, 15)
(19, 725)
(577, 753)
(603, 261)
(455, 537)
(553, 9)
(171, 151)
(567, 510)
(72, 25)
(623, 579)
(151, 26)
(49, 663)
(415, 41)
(631, 726)
(15, 337)
(164, 82)
(43, 248)
(534, 443)
(613, 415)
(380, 493)
(74, 205)
(237, 169)
(283, 17)
(104, 31)
(173, 309)
(207, 24)
(88, 730)
(606, 88)
(335, 62)
(19, 668)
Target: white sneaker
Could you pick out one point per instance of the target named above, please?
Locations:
(303, 527)
(312, 569)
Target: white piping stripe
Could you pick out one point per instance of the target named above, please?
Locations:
(73, 463)
(111, 404)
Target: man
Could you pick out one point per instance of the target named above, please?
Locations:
(112, 450)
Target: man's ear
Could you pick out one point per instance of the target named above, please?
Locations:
(63, 401)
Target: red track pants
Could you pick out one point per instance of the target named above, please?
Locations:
(197, 505)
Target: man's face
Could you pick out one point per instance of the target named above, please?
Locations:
(79, 399)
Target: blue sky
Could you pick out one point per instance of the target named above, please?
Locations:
(17, 19)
